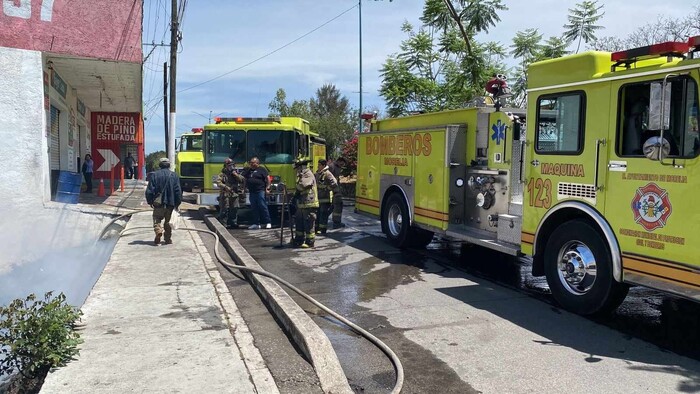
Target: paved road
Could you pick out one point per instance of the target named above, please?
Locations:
(460, 332)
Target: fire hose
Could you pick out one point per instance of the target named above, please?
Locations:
(398, 367)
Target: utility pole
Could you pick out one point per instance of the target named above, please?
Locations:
(174, 36)
(359, 111)
(165, 107)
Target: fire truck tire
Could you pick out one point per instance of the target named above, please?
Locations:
(578, 266)
(395, 221)
(420, 238)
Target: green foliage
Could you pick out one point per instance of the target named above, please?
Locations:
(441, 65)
(332, 114)
(329, 114)
(298, 108)
(582, 22)
(37, 335)
(152, 160)
(553, 48)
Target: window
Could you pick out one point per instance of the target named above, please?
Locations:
(271, 146)
(302, 145)
(560, 123)
(191, 143)
(639, 117)
(226, 143)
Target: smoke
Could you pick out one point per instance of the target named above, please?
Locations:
(52, 250)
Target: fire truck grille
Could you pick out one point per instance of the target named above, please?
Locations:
(192, 170)
(576, 190)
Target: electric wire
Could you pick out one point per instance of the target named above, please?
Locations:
(269, 53)
(398, 366)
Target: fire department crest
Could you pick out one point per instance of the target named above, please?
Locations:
(651, 207)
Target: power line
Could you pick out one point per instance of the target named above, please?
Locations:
(270, 53)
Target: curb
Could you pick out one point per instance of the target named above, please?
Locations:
(260, 375)
(306, 334)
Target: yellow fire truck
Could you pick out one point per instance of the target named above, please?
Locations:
(594, 180)
(276, 141)
(189, 161)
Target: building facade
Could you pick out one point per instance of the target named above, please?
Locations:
(64, 66)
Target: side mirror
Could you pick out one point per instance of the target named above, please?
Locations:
(653, 148)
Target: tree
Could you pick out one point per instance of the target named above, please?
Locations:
(582, 21)
(433, 71)
(526, 46)
(152, 160)
(553, 48)
(333, 116)
(279, 106)
(662, 30)
(470, 17)
(349, 152)
(328, 113)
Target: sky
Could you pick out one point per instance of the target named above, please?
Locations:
(304, 44)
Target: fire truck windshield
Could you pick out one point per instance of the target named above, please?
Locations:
(222, 144)
(191, 143)
(271, 146)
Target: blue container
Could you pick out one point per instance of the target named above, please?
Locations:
(68, 189)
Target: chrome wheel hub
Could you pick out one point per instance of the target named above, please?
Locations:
(395, 220)
(577, 267)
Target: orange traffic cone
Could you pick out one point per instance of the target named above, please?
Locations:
(101, 189)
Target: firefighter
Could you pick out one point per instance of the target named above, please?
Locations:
(307, 204)
(326, 183)
(336, 167)
(230, 184)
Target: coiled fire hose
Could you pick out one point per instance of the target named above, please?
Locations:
(398, 367)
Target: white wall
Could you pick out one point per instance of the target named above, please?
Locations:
(24, 178)
(45, 245)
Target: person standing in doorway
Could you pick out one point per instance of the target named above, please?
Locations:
(129, 164)
(87, 172)
(258, 183)
(336, 168)
(163, 194)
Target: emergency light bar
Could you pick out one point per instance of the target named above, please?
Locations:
(197, 129)
(694, 43)
(669, 48)
(246, 120)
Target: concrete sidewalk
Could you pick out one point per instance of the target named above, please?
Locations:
(160, 319)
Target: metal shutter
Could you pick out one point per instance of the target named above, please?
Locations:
(54, 151)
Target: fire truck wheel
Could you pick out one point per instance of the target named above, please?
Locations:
(578, 265)
(420, 238)
(395, 221)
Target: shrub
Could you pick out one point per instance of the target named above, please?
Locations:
(37, 335)
(349, 152)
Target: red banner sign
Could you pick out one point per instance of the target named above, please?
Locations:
(112, 135)
(105, 29)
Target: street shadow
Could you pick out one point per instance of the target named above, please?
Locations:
(571, 331)
(142, 242)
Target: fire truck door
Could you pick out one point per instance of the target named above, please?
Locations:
(455, 157)
(652, 180)
(565, 159)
